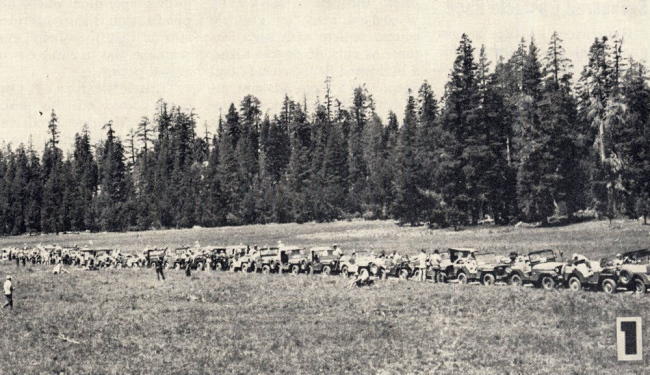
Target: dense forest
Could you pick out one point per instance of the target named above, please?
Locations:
(524, 141)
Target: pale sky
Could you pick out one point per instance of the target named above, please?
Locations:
(96, 61)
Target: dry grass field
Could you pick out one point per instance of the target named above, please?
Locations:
(219, 322)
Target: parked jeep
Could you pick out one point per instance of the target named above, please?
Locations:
(460, 265)
(217, 256)
(409, 267)
(541, 268)
(601, 275)
(357, 264)
(323, 260)
(282, 259)
(634, 273)
(243, 262)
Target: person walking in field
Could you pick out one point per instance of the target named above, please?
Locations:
(9, 293)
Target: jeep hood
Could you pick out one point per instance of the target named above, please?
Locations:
(635, 268)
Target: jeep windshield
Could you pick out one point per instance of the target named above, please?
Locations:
(324, 253)
(637, 256)
(542, 256)
(294, 252)
(455, 254)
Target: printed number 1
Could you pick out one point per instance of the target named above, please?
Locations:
(629, 339)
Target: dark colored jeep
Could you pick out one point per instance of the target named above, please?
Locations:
(541, 268)
(282, 259)
(323, 260)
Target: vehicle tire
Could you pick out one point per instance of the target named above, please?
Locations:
(364, 273)
(639, 286)
(442, 277)
(244, 267)
(381, 274)
(625, 277)
(547, 283)
(327, 270)
(609, 286)
(403, 274)
(295, 269)
(462, 278)
(345, 271)
(487, 279)
(515, 280)
(266, 269)
(416, 274)
(575, 284)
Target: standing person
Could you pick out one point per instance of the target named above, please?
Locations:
(188, 271)
(159, 268)
(422, 265)
(9, 293)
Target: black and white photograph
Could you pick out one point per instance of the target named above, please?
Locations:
(325, 187)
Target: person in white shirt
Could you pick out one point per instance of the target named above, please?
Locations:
(9, 292)
(422, 265)
(435, 258)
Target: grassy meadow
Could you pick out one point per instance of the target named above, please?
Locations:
(127, 322)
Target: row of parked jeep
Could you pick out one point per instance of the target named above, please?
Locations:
(543, 268)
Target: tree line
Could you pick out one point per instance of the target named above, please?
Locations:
(520, 142)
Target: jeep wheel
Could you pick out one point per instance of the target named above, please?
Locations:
(625, 277)
(639, 286)
(462, 278)
(244, 267)
(295, 270)
(345, 272)
(515, 280)
(403, 274)
(441, 277)
(488, 279)
(327, 270)
(575, 284)
(266, 269)
(609, 286)
(547, 283)
(363, 273)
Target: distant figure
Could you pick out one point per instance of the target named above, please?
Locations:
(58, 269)
(337, 251)
(9, 292)
(422, 265)
(435, 258)
(618, 260)
(159, 268)
(188, 271)
(360, 280)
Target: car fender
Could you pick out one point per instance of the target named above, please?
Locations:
(641, 276)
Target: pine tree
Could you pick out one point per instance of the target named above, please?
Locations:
(460, 174)
(407, 203)
(52, 202)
